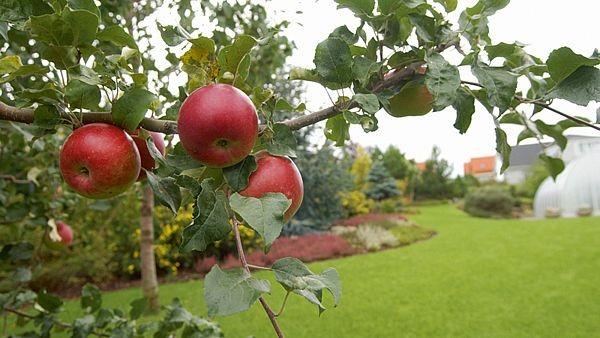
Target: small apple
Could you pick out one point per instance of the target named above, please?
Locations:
(276, 174)
(99, 160)
(146, 159)
(218, 125)
(61, 238)
(414, 99)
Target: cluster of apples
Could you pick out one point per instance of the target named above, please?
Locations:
(218, 126)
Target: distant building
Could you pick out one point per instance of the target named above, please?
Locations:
(421, 166)
(482, 168)
(522, 157)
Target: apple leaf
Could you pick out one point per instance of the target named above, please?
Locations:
(554, 131)
(503, 148)
(118, 36)
(368, 102)
(82, 95)
(465, 108)
(500, 84)
(283, 142)
(237, 175)
(231, 56)
(295, 276)
(554, 165)
(138, 307)
(171, 35)
(9, 64)
(442, 80)
(91, 298)
(337, 130)
(232, 291)
(563, 62)
(333, 61)
(264, 215)
(211, 220)
(49, 302)
(166, 191)
(129, 110)
(581, 87)
(46, 116)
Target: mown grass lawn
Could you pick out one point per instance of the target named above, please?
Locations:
(476, 278)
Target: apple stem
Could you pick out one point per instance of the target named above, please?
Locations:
(238, 242)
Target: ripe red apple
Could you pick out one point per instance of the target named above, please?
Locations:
(218, 125)
(146, 159)
(276, 174)
(65, 233)
(99, 160)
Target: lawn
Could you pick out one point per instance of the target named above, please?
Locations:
(476, 278)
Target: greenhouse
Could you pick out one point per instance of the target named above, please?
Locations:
(576, 191)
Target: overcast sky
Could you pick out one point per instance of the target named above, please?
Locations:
(542, 25)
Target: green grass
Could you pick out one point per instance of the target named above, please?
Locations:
(476, 278)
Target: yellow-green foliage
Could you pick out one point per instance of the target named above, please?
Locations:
(360, 168)
(356, 202)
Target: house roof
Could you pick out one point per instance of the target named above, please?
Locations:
(525, 154)
(479, 165)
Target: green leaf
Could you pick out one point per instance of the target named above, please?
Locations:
(345, 34)
(499, 83)
(425, 26)
(554, 165)
(45, 95)
(118, 36)
(70, 28)
(211, 220)
(333, 61)
(283, 142)
(64, 57)
(525, 134)
(363, 68)
(231, 56)
(295, 276)
(9, 64)
(84, 74)
(49, 302)
(91, 298)
(563, 62)
(18, 11)
(581, 87)
(368, 102)
(304, 74)
(17, 252)
(166, 191)
(138, 307)
(360, 7)
(233, 291)
(443, 80)
(88, 5)
(503, 148)
(21, 275)
(82, 95)
(25, 70)
(264, 215)
(171, 35)
(337, 129)
(449, 5)
(237, 176)
(465, 108)
(511, 118)
(46, 116)
(129, 110)
(554, 131)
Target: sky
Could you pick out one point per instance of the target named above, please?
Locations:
(542, 25)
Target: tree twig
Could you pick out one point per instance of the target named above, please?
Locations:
(242, 256)
(55, 322)
(543, 105)
(280, 312)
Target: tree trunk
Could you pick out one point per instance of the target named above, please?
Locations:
(148, 265)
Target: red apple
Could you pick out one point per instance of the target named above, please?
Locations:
(218, 125)
(99, 160)
(147, 160)
(65, 233)
(276, 174)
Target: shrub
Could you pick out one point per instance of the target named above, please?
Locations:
(490, 201)
(356, 202)
(584, 210)
(370, 218)
(374, 238)
(389, 206)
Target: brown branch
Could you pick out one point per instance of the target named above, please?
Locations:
(26, 115)
(14, 179)
(543, 105)
(242, 256)
(55, 322)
